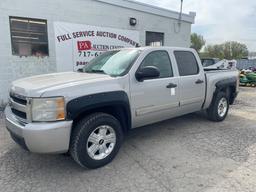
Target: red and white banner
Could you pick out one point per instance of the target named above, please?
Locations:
(77, 44)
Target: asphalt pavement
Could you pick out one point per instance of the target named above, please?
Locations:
(185, 154)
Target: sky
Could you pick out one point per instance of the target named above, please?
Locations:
(219, 21)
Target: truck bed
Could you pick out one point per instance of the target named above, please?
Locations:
(214, 70)
(212, 76)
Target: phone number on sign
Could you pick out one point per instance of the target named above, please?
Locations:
(89, 54)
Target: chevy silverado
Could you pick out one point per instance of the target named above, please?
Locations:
(87, 113)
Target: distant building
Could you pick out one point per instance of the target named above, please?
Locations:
(252, 55)
(246, 63)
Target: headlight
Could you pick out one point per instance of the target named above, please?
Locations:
(48, 109)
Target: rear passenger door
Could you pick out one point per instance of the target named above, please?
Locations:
(192, 81)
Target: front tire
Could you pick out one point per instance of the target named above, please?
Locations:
(219, 107)
(96, 140)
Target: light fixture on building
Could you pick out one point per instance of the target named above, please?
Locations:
(133, 21)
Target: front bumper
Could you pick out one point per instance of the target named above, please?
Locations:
(50, 137)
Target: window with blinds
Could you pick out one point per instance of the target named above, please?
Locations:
(29, 36)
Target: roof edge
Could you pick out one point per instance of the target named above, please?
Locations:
(135, 5)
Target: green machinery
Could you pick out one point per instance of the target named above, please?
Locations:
(248, 79)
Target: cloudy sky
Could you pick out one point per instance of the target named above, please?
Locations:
(219, 21)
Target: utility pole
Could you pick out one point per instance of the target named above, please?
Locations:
(181, 8)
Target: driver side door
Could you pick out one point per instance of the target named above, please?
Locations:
(155, 99)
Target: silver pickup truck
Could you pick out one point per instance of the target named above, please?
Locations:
(87, 113)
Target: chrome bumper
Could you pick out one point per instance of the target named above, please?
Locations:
(52, 137)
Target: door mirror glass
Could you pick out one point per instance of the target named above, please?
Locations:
(149, 72)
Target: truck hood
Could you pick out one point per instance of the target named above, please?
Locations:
(36, 85)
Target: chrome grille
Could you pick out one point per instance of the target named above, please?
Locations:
(18, 99)
(19, 113)
(18, 106)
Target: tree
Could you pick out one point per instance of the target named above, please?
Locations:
(227, 50)
(197, 41)
(214, 51)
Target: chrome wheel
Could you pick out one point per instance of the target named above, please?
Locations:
(222, 107)
(101, 142)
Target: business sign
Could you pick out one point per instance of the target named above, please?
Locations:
(77, 44)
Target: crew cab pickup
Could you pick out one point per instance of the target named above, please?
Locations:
(87, 113)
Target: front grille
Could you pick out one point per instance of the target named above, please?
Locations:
(20, 114)
(22, 101)
(18, 106)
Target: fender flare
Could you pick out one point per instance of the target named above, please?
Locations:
(225, 83)
(78, 106)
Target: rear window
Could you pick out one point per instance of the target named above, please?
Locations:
(186, 62)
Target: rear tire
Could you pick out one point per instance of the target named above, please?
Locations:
(96, 140)
(219, 107)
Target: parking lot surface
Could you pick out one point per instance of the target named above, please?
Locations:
(183, 154)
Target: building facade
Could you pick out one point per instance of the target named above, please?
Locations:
(28, 40)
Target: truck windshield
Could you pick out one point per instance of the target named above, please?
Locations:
(114, 63)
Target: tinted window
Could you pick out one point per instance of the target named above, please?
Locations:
(161, 60)
(186, 62)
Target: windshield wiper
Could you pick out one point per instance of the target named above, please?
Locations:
(96, 71)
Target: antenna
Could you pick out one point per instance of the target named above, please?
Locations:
(180, 16)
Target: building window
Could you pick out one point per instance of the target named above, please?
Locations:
(29, 36)
(154, 39)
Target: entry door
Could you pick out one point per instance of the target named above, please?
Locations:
(154, 39)
(155, 99)
(192, 81)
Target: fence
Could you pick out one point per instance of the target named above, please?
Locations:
(246, 63)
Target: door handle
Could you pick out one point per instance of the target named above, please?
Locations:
(199, 81)
(171, 85)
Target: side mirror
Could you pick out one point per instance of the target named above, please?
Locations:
(149, 72)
